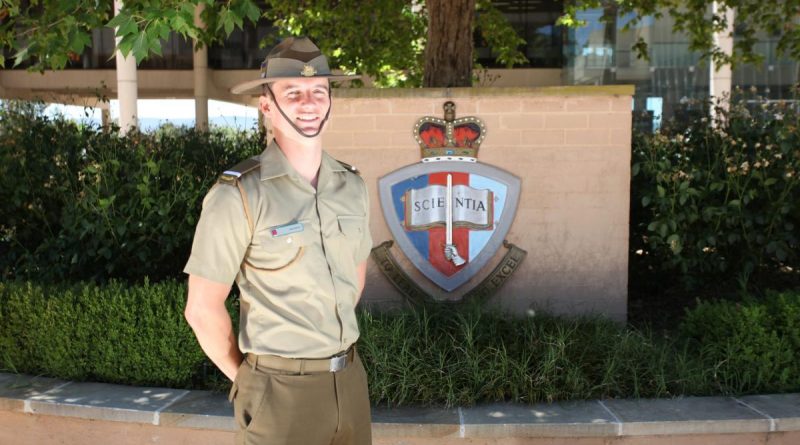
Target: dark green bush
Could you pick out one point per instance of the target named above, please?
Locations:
(112, 333)
(465, 356)
(136, 334)
(718, 201)
(77, 203)
(752, 346)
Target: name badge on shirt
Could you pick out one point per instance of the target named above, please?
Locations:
(286, 229)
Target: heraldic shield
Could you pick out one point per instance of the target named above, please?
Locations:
(449, 214)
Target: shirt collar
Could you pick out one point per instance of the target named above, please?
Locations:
(332, 164)
(274, 163)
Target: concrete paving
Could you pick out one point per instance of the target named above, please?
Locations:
(608, 420)
(567, 419)
(783, 410)
(104, 401)
(686, 415)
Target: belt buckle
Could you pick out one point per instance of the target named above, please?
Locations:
(338, 363)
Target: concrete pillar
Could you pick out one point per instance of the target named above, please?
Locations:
(200, 76)
(127, 88)
(721, 75)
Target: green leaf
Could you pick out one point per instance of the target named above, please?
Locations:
(674, 242)
(78, 41)
(140, 47)
(661, 191)
(735, 203)
(125, 25)
(663, 229)
(251, 11)
(645, 201)
(21, 56)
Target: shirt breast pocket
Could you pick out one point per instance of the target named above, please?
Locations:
(273, 251)
(351, 232)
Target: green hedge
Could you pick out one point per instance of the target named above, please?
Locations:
(113, 333)
(748, 346)
(77, 203)
(137, 335)
(717, 200)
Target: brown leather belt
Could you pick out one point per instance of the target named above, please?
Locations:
(302, 365)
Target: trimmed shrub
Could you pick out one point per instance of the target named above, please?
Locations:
(80, 204)
(114, 333)
(718, 201)
(750, 346)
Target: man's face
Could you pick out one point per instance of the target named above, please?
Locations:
(304, 101)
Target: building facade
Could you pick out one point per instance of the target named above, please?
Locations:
(598, 54)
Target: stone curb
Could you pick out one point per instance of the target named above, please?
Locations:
(597, 418)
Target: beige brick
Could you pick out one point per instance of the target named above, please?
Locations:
(401, 138)
(369, 139)
(503, 138)
(522, 121)
(539, 104)
(400, 122)
(620, 136)
(333, 139)
(586, 136)
(578, 104)
(622, 104)
(464, 107)
(352, 123)
(581, 153)
(370, 107)
(610, 120)
(341, 106)
(491, 121)
(566, 120)
(420, 107)
(543, 137)
(499, 105)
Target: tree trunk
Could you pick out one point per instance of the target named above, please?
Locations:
(448, 55)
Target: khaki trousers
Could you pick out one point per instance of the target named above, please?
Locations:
(275, 407)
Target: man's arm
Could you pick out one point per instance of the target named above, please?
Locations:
(206, 314)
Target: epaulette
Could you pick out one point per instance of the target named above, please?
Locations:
(349, 167)
(231, 175)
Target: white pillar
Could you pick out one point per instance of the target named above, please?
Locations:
(721, 76)
(200, 70)
(127, 89)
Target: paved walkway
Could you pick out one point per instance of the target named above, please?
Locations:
(38, 407)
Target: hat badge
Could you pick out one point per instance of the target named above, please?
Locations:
(308, 71)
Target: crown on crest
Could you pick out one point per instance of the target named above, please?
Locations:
(449, 139)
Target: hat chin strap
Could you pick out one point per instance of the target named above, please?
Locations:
(296, 128)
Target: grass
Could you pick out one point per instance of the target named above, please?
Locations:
(435, 355)
(461, 357)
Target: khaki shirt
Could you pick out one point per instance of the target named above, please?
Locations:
(297, 271)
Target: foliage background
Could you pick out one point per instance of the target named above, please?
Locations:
(78, 203)
(135, 334)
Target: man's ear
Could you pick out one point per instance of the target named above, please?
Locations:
(264, 104)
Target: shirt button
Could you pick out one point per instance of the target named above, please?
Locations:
(289, 240)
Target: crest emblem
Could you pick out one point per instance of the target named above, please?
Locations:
(308, 71)
(449, 213)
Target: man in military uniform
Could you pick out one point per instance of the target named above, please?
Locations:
(290, 226)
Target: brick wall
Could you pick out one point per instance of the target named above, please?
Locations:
(571, 148)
